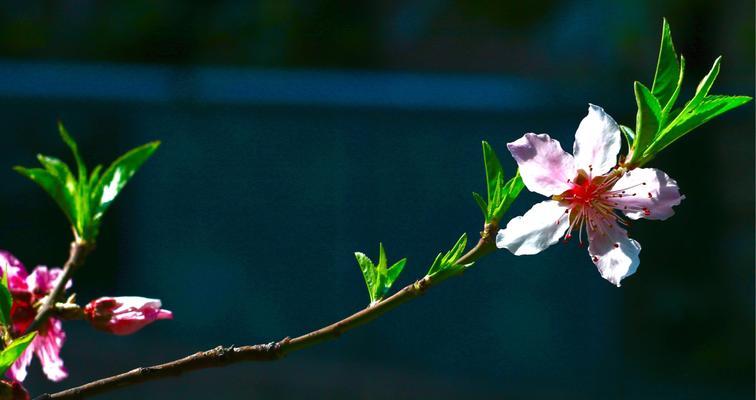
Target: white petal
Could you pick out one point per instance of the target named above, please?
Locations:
(545, 168)
(614, 253)
(533, 232)
(597, 142)
(649, 194)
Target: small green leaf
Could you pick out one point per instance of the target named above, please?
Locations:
(481, 203)
(510, 191)
(60, 170)
(501, 193)
(456, 252)
(94, 176)
(667, 109)
(71, 143)
(668, 69)
(494, 172)
(10, 354)
(369, 273)
(53, 186)
(6, 300)
(629, 135)
(699, 110)
(646, 121)
(117, 176)
(85, 200)
(445, 264)
(702, 90)
(689, 119)
(393, 273)
(382, 261)
(379, 278)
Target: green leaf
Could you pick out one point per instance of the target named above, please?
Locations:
(382, 261)
(6, 300)
(629, 135)
(117, 176)
(494, 172)
(481, 203)
(71, 143)
(445, 264)
(510, 191)
(668, 71)
(369, 273)
(52, 185)
(646, 122)
(697, 111)
(702, 90)
(10, 354)
(85, 200)
(94, 176)
(393, 273)
(689, 119)
(456, 252)
(60, 170)
(667, 109)
(501, 193)
(379, 278)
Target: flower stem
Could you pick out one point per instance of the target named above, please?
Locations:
(221, 356)
(77, 254)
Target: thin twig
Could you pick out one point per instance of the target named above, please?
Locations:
(222, 356)
(76, 256)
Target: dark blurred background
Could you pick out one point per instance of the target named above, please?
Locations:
(297, 132)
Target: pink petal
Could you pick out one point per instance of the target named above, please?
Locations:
(649, 193)
(16, 271)
(43, 280)
(17, 371)
(614, 254)
(545, 168)
(47, 347)
(535, 231)
(597, 142)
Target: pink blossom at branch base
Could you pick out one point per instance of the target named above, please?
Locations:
(587, 195)
(124, 315)
(26, 291)
(12, 390)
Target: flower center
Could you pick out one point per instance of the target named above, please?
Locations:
(590, 205)
(584, 190)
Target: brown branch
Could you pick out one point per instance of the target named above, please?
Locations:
(76, 256)
(222, 356)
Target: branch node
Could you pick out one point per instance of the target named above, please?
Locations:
(422, 285)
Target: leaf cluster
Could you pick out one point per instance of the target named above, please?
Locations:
(379, 278)
(84, 198)
(445, 264)
(658, 123)
(501, 193)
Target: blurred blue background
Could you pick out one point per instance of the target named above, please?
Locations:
(297, 132)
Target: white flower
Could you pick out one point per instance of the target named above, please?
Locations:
(586, 194)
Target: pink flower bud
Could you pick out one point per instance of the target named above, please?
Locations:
(124, 315)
